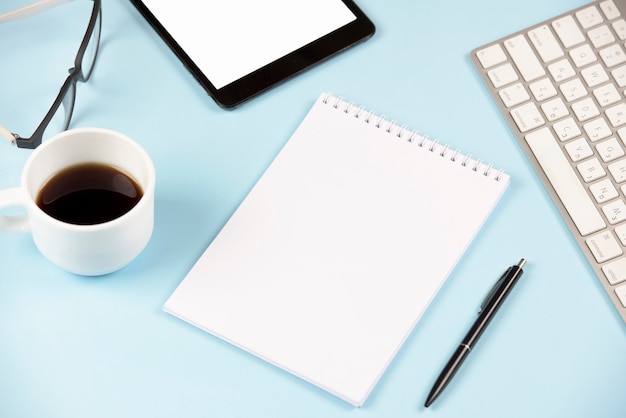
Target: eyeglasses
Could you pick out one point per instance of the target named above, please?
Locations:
(55, 120)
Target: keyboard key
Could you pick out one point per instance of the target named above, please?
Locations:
(573, 90)
(514, 95)
(615, 212)
(617, 115)
(491, 56)
(561, 70)
(613, 55)
(597, 129)
(568, 32)
(503, 75)
(621, 294)
(610, 150)
(572, 194)
(567, 129)
(527, 117)
(619, 74)
(603, 191)
(585, 109)
(620, 230)
(542, 89)
(610, 11)
(589, 17)
(618, 170)
(601, 36)
(620, 29)
(555, 109)
(583, 55)
(578, 150)
(545, 43)
(622, 134)
(607, 95)
(604, 246)
(615, 271)
(524, 58)
(591, 170)
(594, 75)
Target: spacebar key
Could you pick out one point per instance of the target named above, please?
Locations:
(573, 195)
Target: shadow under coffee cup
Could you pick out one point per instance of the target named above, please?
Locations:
(89, 199)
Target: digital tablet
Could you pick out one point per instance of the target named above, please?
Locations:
(239, 48)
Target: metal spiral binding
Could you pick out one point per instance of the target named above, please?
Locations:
(422, 141)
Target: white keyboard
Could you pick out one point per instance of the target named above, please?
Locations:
(561, 86)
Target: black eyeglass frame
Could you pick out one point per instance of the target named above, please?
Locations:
(69, 86)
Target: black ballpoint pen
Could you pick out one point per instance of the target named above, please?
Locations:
(488, 309)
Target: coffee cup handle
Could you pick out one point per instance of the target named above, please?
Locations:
(13, 223)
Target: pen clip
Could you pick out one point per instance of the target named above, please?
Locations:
(493, 290)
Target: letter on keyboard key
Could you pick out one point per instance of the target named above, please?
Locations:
(567, 129)
(615, 211)
(524, 58)
(594, 75)
(583, 55)
(567, 185)
(591, 170)
(603, 191)
(617, 114)
(585, 109)
(561, 70)
(543, 89)
(555, 109)
(578, 149)
(604, 246)
(610, 150)
(618, 170)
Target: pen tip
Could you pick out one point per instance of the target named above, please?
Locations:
(521, 263)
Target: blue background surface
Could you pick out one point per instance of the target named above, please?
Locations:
(72, 346)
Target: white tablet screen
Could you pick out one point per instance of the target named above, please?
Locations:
(228, 39)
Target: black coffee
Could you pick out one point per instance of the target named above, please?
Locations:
(88, 194)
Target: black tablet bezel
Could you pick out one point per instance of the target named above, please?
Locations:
(277, 71)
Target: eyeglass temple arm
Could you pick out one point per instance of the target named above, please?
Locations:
(30, 10)
(4, 133)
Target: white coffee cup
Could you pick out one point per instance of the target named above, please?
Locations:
(84, 249)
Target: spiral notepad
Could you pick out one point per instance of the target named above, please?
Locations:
(331, 259)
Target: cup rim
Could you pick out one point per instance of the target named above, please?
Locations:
(148, 187)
